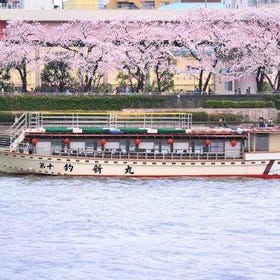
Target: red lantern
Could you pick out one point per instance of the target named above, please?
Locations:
(207, 142)
(66, 141)
(170, 141)
(233, 142)
(34, 141)
(103, 142)
(137, 142)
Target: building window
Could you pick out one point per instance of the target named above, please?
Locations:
(228, 86)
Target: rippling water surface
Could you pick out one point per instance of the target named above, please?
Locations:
(62, 228)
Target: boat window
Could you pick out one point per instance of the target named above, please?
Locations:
(124, 146)
(157, 146)
(199, 146)
(262, 142)
(165, 147)
(90, 146)
(112, 145)
(217, 147)
(181, 146)
(252, 142)
(56, 146)
(147, 146)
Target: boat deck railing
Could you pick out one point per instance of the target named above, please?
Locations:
(111, 120)
(17, 130)
(177, 155)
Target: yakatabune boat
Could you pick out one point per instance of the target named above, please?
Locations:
(136, 145)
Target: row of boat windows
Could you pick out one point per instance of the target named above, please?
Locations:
(161, 146)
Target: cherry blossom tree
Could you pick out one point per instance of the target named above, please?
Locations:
(57, 71)
(256, 47)
(205, 36)
(240, 42)
(22, 41)
(142, 48)
(89, 44)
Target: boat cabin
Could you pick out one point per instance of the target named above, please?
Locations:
(138, 136)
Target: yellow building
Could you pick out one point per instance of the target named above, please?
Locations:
(136, 4)
(80, 4)
(182, 80)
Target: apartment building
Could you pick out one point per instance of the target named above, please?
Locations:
(241, 4)
(50, 4)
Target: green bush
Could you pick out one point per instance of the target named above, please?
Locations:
(239, 104)
(276, 100)
(6, 117)
(200, 117)
(228, 118)
(46, 103)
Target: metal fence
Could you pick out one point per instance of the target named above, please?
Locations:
(153, 93)
(111, 120)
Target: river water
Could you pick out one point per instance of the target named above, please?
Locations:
(82, 228)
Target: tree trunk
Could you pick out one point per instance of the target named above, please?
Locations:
(200, 83)
(140, 83)
(158, 78)
(129, 77)
(207, 82)
(23, 76)
(269, 81)
(277, 81)
(88, 83)
(140, 80)
(260, 78)
(61, 86)
(97, 81)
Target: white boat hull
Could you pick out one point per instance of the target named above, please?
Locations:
(65, 166)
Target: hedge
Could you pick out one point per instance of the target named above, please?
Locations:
(276, 100)
(47, 103)
(239, 104)
(103, 103)
(228, 118)
(7, 117)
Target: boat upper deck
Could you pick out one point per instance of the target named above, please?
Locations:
(131, 132)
